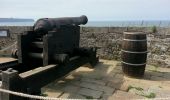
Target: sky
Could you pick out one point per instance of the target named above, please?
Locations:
(95, 10)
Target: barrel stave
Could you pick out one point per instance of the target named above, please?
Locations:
(134, 58)
(132, 70)
(138, 46)
(135, 36)
(134, 53)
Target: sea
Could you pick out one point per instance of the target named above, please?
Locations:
(164, 23)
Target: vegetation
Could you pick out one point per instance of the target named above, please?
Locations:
(150, 95)
(155, 69)
(154, 29)
(137, 88)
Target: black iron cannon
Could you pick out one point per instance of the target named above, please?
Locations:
(52, 47)
(53, 40)
(44, 25)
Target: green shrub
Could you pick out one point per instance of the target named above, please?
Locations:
(137, 88)
(151, 95)
(154, 29)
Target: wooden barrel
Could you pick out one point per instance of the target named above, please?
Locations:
(134, 53)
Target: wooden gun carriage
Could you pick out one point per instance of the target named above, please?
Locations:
(50, 51)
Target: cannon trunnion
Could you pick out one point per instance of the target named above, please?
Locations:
(52, 50)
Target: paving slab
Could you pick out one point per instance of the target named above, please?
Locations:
(166, 75)
(115, 83)
(71, 89)
(75, 82)
(90, 93)
(116, 71)
(105, 89)
(72, 96)
(51, 92)
(94, 81)
(154, 73)
(120, 76)
(150, 82)
(107, 82)
(147, 75)
(105, 97)
(157, 78)
(127, 78)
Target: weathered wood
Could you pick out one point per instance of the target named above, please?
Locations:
(134, 53)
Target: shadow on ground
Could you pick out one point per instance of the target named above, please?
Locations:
(104, 80)
(153, 73)
(99, 82)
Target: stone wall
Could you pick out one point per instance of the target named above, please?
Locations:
(13, 30)
(108, 41)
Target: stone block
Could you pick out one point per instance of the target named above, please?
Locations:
(156, 78)
(127, 78)
(151, 82)
(105, 97)
(71, 89)
(94, 81)
(72, 96)
(155, 73)
(120, 76)
(105, 89)
(166, 75)
(52, 92)
(115, 83)
(90, 93)
(77, 83)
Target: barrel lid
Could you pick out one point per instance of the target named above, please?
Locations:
(134, 33)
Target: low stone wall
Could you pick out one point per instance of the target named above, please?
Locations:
(108, 41)
(13, 30)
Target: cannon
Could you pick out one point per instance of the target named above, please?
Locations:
(44, 25)
(51, 49)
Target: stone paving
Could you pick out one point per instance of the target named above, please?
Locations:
(107, 82)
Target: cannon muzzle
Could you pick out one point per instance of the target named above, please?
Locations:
(49, 24)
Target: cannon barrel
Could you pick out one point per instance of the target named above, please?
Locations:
(49, 24)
